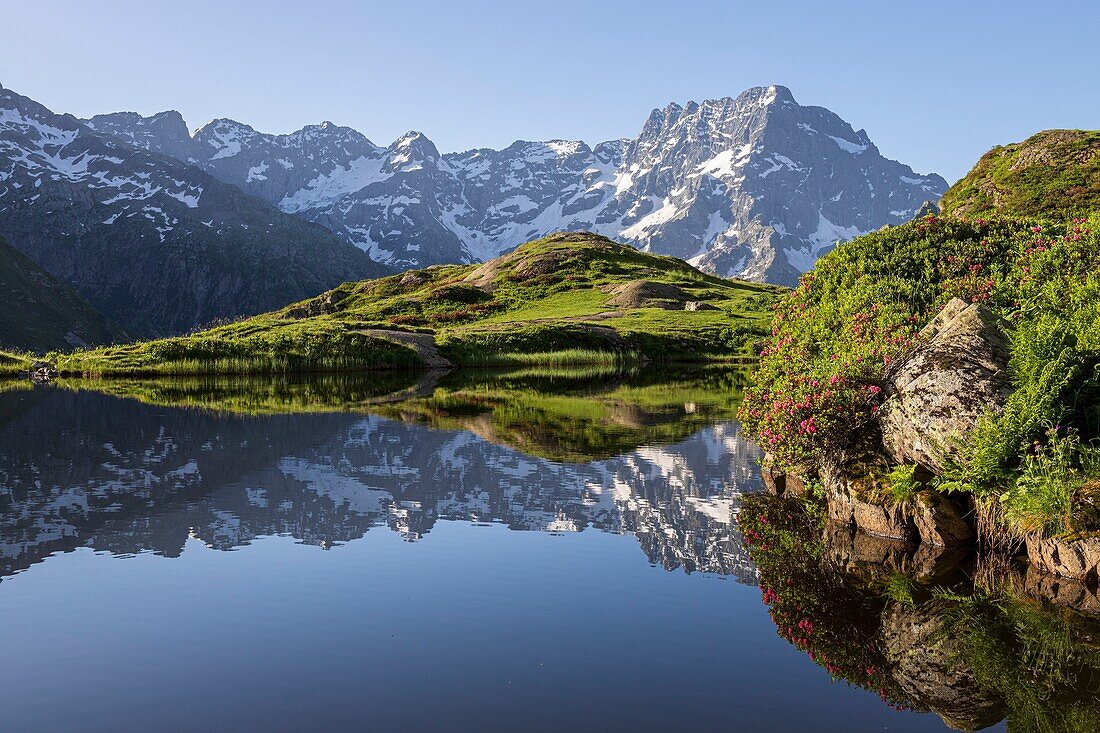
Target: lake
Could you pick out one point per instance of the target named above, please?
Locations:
(489, 552)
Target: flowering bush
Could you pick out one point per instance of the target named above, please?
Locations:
(851, 320)
(836, 338)
(832, 619)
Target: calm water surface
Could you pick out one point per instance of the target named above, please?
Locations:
(471, 557)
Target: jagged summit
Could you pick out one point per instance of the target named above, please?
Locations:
(755, 186)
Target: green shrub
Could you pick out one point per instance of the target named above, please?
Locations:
(1055, 476)
(855, 317)
(836, 338)
(903, 482)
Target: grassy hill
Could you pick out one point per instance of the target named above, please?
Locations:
(12, 364)
(41, 313)
(1054, 174)
(1019, 234)
(566, 299)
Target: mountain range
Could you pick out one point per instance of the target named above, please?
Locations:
(755, 187)
(162, 229)
(155, 244)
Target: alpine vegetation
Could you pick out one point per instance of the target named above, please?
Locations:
(951, 365)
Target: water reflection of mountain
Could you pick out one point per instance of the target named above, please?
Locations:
(88, 470)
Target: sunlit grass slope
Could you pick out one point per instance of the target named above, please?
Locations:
(571, 298)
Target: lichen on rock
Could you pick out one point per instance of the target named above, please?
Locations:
(956, 376)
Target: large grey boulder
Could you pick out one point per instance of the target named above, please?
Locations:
(955, 376)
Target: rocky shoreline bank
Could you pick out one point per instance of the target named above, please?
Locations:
(954, 377)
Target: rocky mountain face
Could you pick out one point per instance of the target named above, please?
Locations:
(41, 314)
(154, 243)
(150, 477)
(756, 186)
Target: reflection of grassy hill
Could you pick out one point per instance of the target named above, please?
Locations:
(565, 299)
(576, 415)
(251, 395)
(579, 421)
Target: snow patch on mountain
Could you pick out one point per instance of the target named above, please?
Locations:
(707, 181)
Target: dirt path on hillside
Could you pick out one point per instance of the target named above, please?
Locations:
(422, 343)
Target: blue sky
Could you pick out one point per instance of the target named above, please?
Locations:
(935, 84)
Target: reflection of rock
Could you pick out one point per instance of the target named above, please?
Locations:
(1071, 558)
(871, 612)
(849, 548)
(957, 375)
(1066, 592)
(852, 550)
(926, 664)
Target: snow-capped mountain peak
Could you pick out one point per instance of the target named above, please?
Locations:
(755, 186)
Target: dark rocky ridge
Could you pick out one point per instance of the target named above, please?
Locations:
(158, 245)
(41, 314)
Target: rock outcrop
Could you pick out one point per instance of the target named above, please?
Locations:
(957, 375)
(781, 483)
(647, 294)
(1077, 558)
(933, 519)
(939, 520)
(852, 497)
